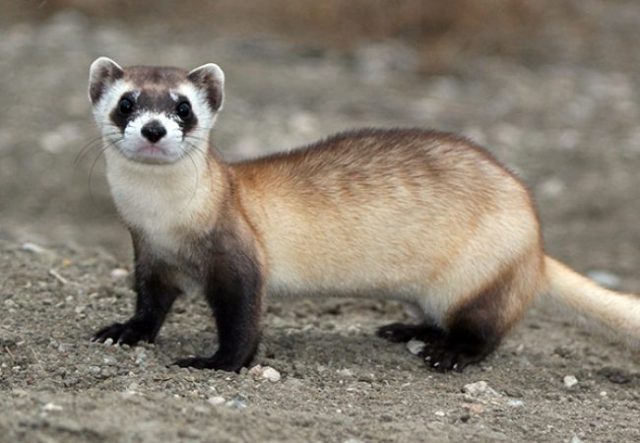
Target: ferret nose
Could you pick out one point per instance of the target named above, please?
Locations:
(153, 131)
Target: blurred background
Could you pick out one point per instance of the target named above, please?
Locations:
(549, 86)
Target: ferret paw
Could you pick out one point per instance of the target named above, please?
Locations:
(396, 332)
(402, 333)
(128, 333)
(443, 357)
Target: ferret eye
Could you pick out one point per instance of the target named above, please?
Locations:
(125, 106)
(183, 110)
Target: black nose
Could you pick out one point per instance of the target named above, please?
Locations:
(153, 131)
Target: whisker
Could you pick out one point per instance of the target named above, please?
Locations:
(88, 147)
(107, 145)
(197, 176)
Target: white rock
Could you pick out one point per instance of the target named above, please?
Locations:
(129, 394)
(415, 346)
(569, 381)
(480, 389)
(265, 372)
(141, 357)
(216, 400)
(271, 374)
(439, 413)
(119, 273)
(50, 407)
(345, 372)
(515, 403)
(32, 247)
(575, 439)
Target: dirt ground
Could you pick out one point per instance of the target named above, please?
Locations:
(569, 126)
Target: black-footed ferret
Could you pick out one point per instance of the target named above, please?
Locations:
(423, 217)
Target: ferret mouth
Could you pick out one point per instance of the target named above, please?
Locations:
(151, 153)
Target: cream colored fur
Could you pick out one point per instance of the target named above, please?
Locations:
(166, 203)
(620, 313)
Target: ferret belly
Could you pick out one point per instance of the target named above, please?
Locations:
(331, 271)
(434, 265)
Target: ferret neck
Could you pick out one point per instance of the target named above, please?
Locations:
(186, 195)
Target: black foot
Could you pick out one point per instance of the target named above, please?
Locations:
(442, 351)
(445, 353)
(128, 333)
(402, 332)
(207, 363)
(440, 356)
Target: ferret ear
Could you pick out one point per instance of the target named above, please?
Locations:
(103, 73)
(210, 79)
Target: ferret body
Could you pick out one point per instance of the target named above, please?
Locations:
(423, 217)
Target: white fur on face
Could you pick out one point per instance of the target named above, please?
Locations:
(158, 199)
(175, 145)
(168, 149)
(107, 102)
(200, 107)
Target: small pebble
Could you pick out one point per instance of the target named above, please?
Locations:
(575, 439)
(474, 408)
(119, 273)
(480, 389)
(569, 381)
(50, 407)
(345, 372)
(32, 247)
(216, 400)
(271, 374)
(515, 403)
(415, 346)
(265, 372)
(439, 413)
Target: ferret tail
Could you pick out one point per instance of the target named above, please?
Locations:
(618, 312)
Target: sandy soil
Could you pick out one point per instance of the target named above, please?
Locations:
(569, 127)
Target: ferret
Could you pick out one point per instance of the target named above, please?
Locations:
(423, 217)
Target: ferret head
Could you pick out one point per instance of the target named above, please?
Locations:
(155, 115)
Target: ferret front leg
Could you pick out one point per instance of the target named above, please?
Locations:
(234, 292)
(155, 296)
